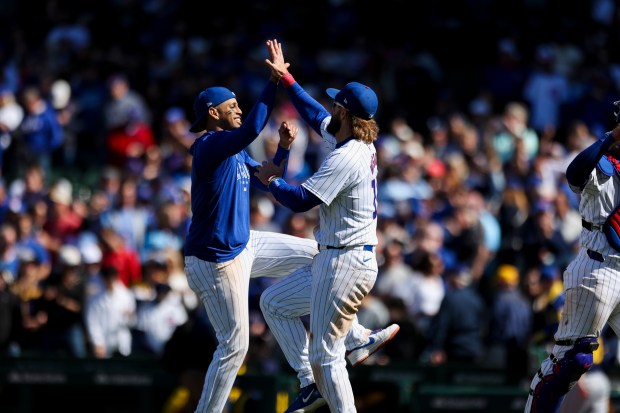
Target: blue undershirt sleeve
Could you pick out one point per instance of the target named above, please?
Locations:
(294, 197)
(280, 155)
(579, 169)
(310, 110)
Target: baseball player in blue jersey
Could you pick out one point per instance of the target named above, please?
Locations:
(221, 252)
(345, 269)
(591, 280)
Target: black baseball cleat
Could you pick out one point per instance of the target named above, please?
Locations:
(308, 400)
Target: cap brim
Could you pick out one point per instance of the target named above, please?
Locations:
(198, 126)
(331, 92)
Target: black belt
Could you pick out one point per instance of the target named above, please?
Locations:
(590, 226)
(366, 247)
(595, 255)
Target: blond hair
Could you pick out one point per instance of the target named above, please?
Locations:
(364, 130)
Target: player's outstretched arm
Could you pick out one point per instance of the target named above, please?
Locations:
(276, 59)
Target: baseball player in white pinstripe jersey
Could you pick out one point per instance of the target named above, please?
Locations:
(345, 269)
(591, 280)
(221, 252)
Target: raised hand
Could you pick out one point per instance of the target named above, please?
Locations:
(276, 59)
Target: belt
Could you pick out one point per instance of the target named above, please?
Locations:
(590, 226)
(595, 255)
(366, 247)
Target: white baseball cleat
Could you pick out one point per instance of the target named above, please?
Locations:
(376, 340)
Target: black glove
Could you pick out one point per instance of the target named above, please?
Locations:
(617, 111)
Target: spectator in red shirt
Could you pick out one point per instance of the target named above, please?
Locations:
(128, 128)
(116, 254)
(63, 220)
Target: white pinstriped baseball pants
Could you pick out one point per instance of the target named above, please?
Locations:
(282, 304)
(592, 291)
(223, 289)
(339, 280)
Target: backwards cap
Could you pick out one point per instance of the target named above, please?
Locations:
(357, 98)
(206, 99)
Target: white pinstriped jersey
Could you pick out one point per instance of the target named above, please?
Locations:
(591, 285)
(599, 198)
(346, 183)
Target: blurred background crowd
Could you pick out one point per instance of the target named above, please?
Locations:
(482, 106)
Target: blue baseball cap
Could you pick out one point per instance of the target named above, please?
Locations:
(357, 98)
(209, 97)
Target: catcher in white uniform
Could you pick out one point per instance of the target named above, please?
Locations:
(591, 280)
(345, 269)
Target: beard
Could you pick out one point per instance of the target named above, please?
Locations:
(334, 125)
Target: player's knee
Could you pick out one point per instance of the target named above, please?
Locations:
(565, 372)
(584, 345)
(235, 347)
(579, 359)
(236, 354)
(265, 303)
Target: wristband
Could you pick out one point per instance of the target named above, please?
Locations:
(271, 179)
(287, 79)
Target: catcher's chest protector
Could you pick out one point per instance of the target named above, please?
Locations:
(611, 227)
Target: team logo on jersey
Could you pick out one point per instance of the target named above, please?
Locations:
(243, 174)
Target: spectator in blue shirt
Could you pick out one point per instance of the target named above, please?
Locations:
(40, 132)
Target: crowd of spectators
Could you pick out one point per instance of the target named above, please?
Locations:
(476, 221)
